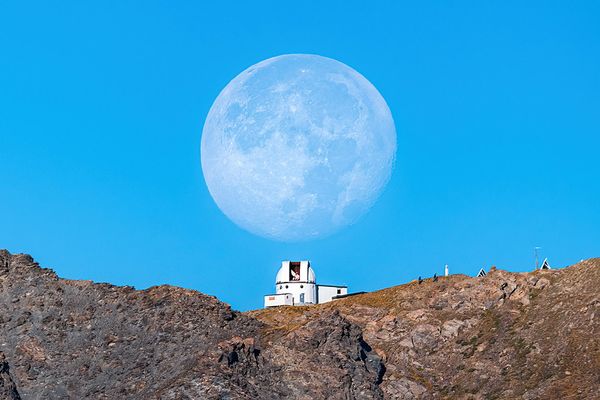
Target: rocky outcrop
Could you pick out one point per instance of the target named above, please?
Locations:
(507, 335)
(78, 339)
(325, 358)
(8, 389)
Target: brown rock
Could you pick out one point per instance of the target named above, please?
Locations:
(530, 335)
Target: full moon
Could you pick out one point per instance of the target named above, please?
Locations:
(297, 147)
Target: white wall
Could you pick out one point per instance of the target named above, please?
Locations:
(326, 293)
(297, 289)
(273, 300)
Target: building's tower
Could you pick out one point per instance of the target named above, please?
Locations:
(298, 279)
(446, 270)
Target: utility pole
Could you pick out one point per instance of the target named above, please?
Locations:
(535, 254)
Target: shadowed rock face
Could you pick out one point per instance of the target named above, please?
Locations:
(68, 339)
(8, 389)
(506, 335)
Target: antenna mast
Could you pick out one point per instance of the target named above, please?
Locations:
(535, 254)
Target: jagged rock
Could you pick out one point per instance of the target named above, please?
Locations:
(459, 337)
(8, 389)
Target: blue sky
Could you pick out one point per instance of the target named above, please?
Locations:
(496, 104)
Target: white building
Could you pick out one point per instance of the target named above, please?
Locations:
(296, 284)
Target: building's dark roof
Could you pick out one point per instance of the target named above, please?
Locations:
(341, 296)
(344, 286)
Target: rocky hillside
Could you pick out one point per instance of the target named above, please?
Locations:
(532, 336)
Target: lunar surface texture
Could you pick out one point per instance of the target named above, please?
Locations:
(297, 147)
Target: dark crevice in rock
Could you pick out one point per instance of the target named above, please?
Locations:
(8, 388)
